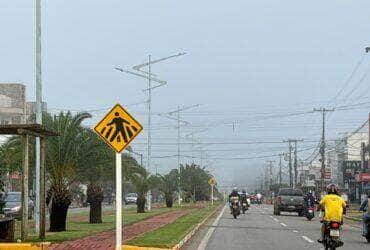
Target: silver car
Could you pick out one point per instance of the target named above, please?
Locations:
(13, 205)
(130, 198)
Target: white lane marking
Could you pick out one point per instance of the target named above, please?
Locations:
(276, 220)
(203, 244)
(295, 231)
(284, 225)
(307, 239)
(271, 216)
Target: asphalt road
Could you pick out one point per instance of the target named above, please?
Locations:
(260, 229)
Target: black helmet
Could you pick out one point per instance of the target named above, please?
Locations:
(332, 188)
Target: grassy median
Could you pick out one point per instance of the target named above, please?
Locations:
(169, 235)
(79, 227)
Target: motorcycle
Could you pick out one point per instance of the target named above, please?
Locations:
(310, 210)
(235, 206)
(310, 214)
(332, 236)
(244, 206)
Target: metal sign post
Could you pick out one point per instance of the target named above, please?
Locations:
(118, 128)
(118, 201)
(212, 183)
(212, 194)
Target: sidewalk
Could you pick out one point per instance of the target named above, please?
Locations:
(106, 240)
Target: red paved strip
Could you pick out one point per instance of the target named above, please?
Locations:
(106, 240)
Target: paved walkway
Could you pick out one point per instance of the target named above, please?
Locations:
(106, 240)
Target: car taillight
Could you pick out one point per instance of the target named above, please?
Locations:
(335, 225)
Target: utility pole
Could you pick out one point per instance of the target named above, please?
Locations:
(270, 173)
(295, 164)
(293, 183)
(290, 165)
(280, 156)
(169, 115)
(178, 156)
(150, 77)
(38, 113)
(363, 169)
(322, 148)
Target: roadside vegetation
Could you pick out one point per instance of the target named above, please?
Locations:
(78, 157)
(170, 235)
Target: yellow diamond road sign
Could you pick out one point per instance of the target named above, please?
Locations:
(118, 128)
(212, 181)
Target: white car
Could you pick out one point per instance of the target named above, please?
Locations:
(130, 198)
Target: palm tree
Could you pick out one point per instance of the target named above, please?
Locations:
(168, 184)
(141, 180)
(62, 158)
(95, 167)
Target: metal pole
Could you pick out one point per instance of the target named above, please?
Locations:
(24, 226)
(295, 164)
(42, 188)
(118, 201)
(38, 112)
(290, 165)
(323, 151)
(149, 206)
(280, 155)
(212, 195)
(178, 153)
(363, 169)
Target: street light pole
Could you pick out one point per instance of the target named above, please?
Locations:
(38, 113)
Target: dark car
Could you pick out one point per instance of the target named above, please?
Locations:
(289, 200)
(13, 205)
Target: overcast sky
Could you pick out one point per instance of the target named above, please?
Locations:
(252, 65)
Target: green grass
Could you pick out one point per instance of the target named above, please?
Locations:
(169, 235)
(79, 227)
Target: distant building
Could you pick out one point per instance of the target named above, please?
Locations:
(31, 110)
(12, 103)
(15, 110)
(13, 106)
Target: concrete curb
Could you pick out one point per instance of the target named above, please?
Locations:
(182, 241)
(30, 246)
(192, 232)
(128, 247)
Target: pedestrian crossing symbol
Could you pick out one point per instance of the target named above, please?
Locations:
(118, 128)
(212, 181)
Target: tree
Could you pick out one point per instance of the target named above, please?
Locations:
(62, 158)
(167, 184)
(142, 182)
(95, 167)
(194, 182)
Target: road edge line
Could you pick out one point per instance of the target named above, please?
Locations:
(210, 231)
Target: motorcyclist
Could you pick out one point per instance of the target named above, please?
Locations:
(309, 200)
(334, 207)
(259, 198)
(366, 217)
(243, 197)
(234, 193)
